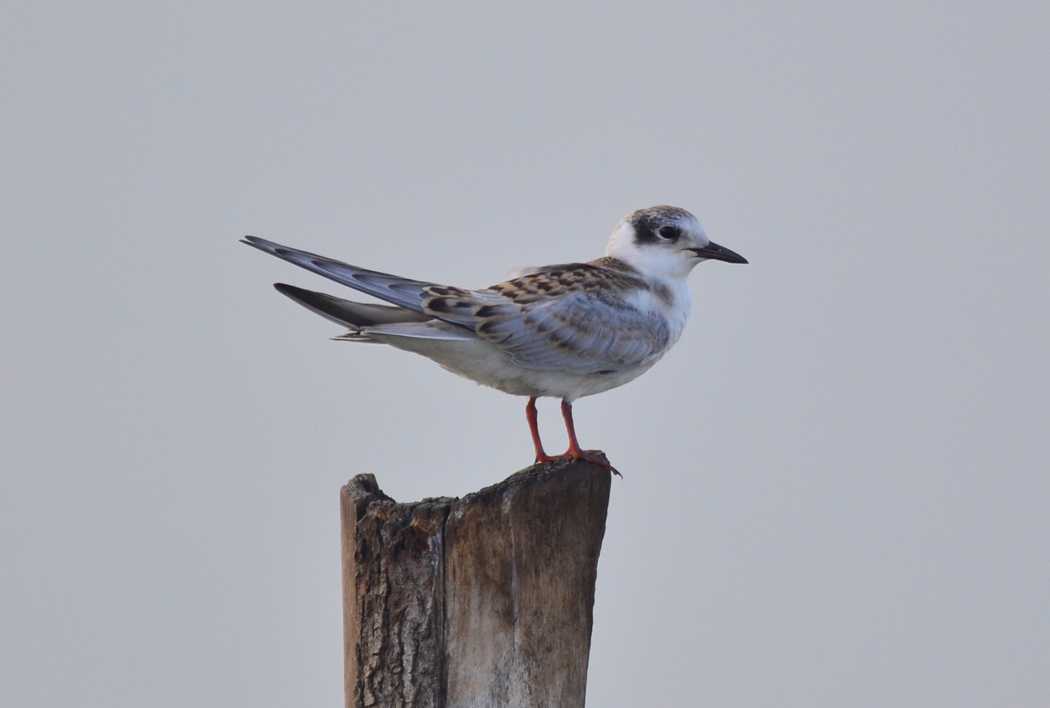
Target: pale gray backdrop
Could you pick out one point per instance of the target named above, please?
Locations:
(835, 487)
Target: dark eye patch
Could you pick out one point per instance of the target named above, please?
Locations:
(657, 225)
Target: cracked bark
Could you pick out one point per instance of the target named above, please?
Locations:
(484, 601)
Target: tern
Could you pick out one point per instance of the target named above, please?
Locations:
(564, 331)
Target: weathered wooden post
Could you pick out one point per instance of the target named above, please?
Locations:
(480, 602)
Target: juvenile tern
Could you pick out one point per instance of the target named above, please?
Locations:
(563, 331)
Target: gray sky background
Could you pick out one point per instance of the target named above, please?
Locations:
(836, 486)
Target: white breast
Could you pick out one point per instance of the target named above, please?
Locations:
(669, 298)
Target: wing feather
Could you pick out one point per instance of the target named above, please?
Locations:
(392, 288)
(576, 333)
(346, 312)
(574, 317)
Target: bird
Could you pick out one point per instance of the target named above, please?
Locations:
(562, 331)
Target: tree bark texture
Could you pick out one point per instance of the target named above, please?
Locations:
(479, 602)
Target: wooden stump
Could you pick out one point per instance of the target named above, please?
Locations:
(480, 602)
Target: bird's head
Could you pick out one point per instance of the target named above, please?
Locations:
(665, 242)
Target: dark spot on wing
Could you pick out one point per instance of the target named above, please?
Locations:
(447, 305)
(605, 278)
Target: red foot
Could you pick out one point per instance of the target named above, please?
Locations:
(595, 457)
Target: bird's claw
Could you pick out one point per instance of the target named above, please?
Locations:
(595, 457)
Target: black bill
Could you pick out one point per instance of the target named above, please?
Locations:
(718, 253)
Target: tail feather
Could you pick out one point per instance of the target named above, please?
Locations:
(346, 312)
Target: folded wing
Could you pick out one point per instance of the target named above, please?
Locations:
(577, 333)
(347, 312)
(572, 318)
(392, 288)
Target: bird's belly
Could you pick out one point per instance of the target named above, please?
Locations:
(488, 365)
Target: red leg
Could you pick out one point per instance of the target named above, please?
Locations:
(596, 457)
(531, 416)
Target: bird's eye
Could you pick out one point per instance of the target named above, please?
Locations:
(670, 233)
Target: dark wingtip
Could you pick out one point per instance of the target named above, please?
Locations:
(291, 291)
(260, 243)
